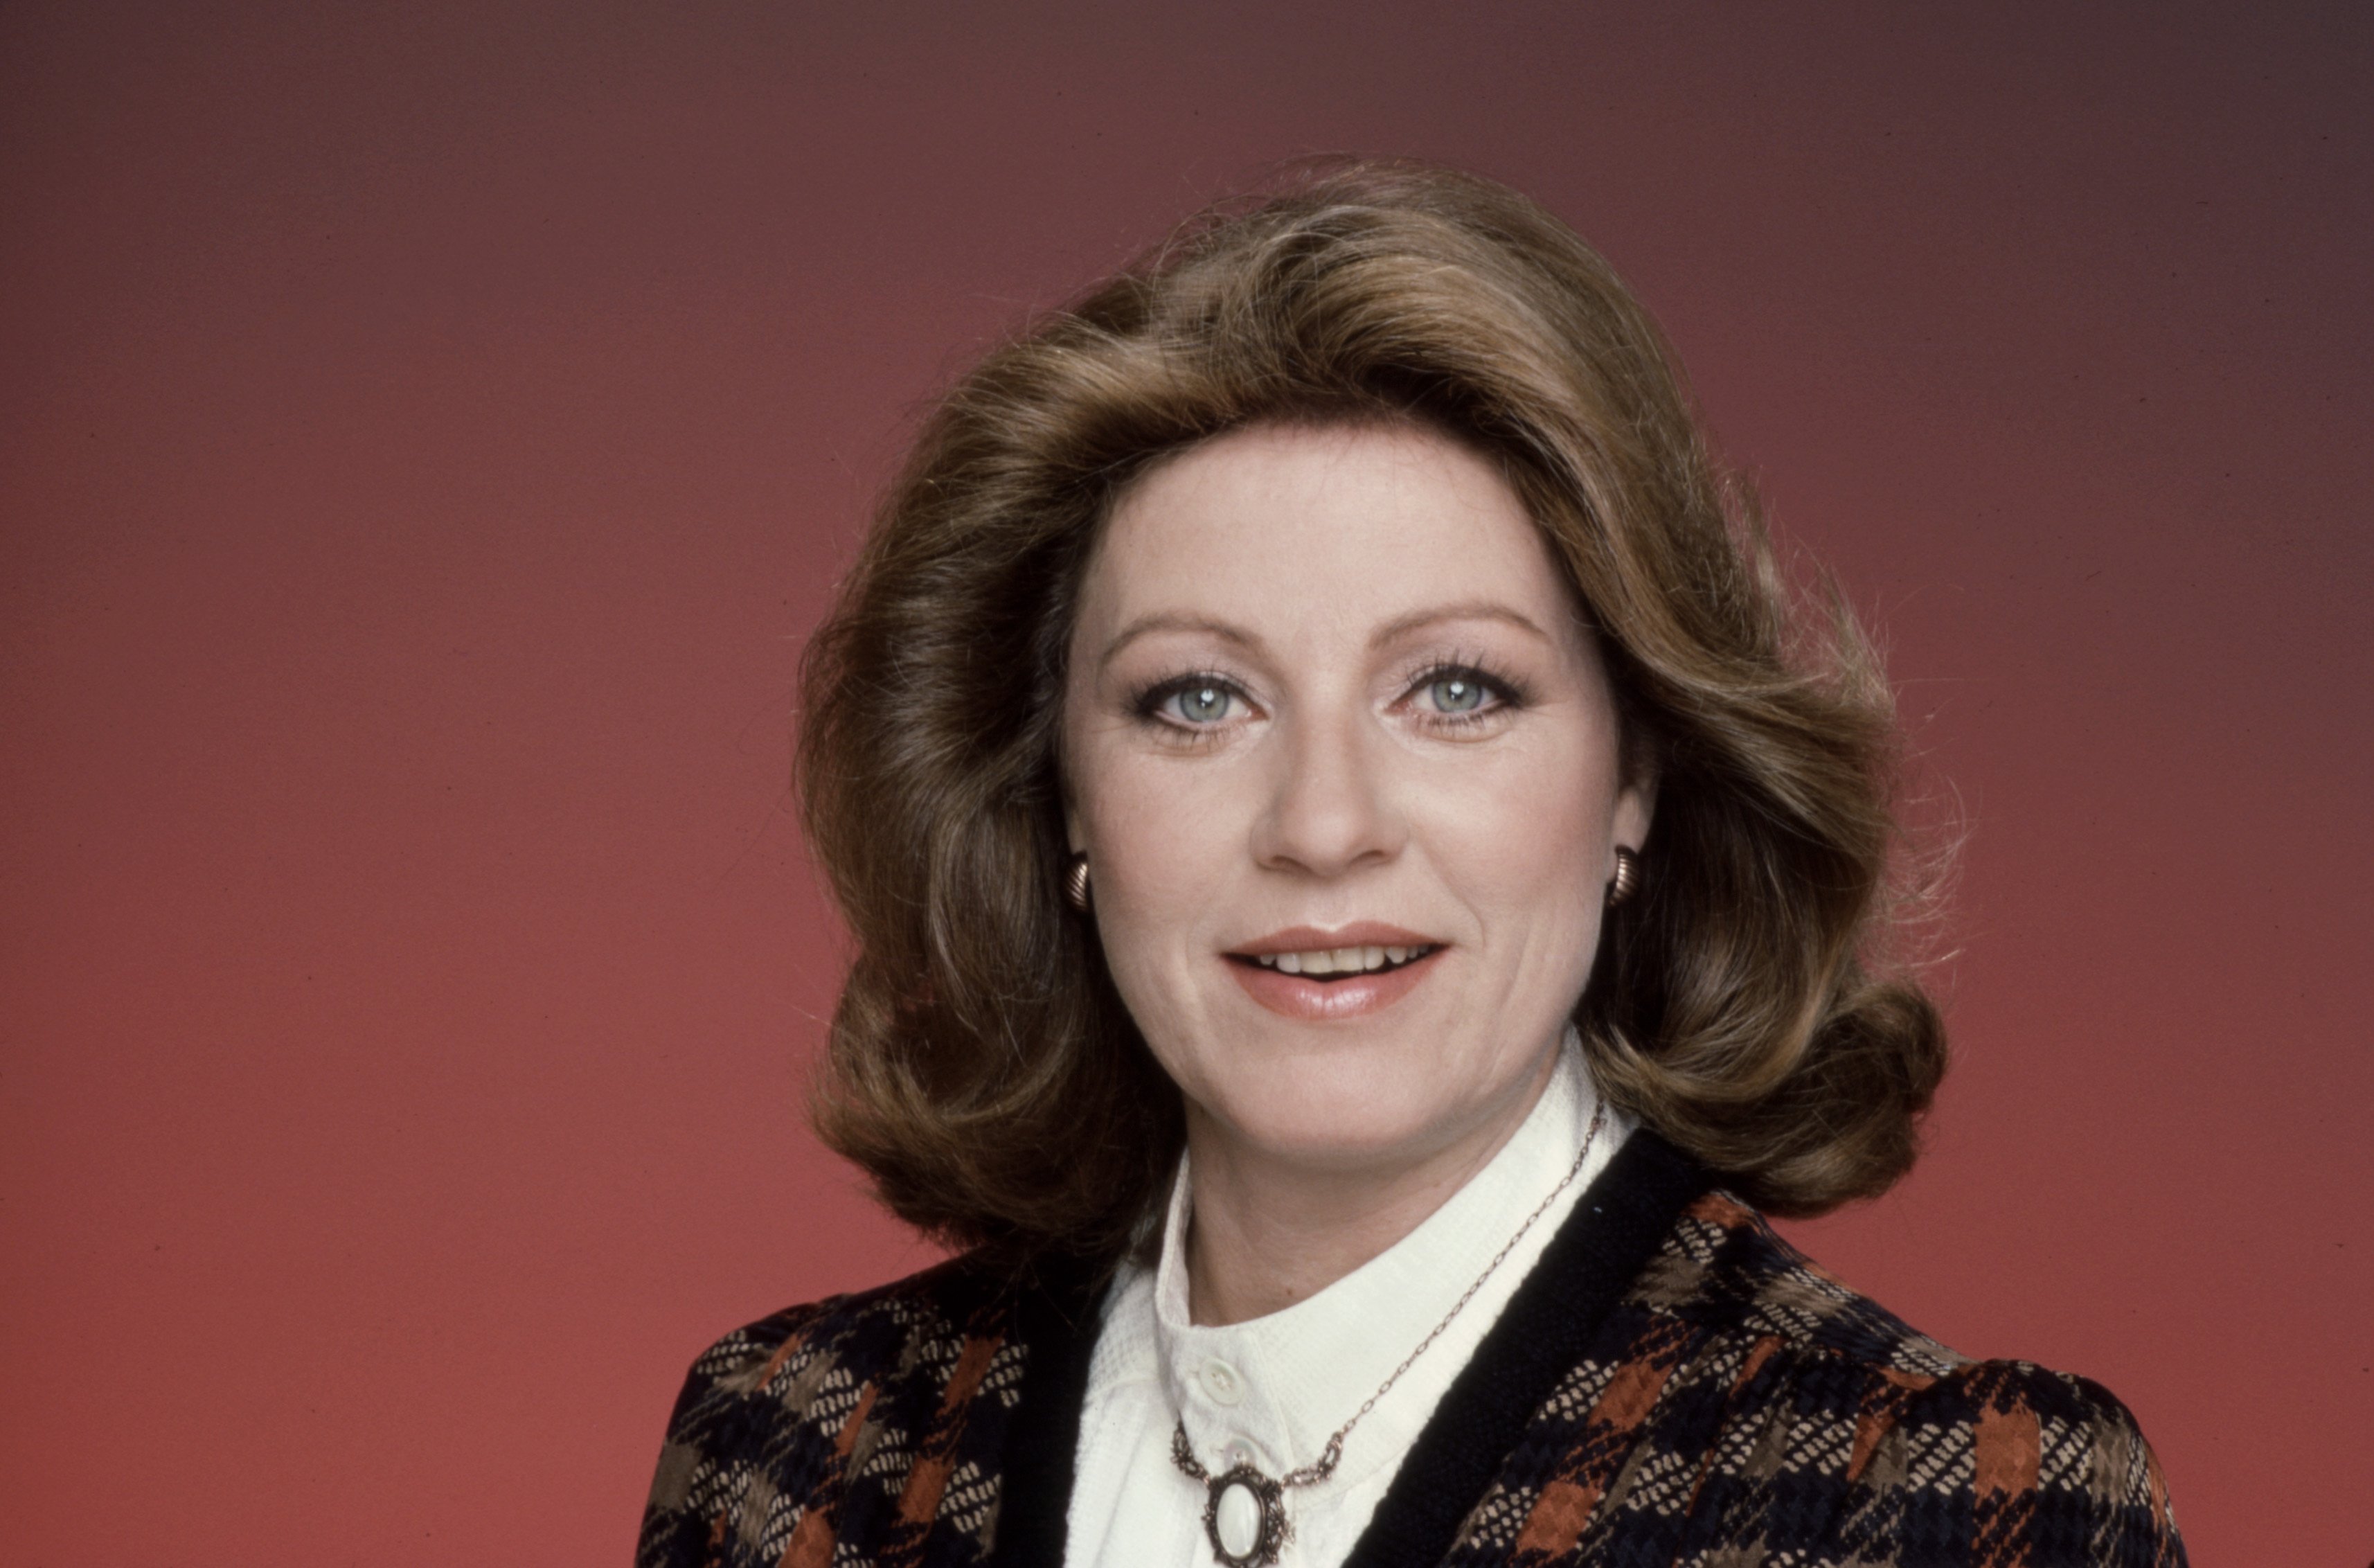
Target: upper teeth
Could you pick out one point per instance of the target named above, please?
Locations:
(1336, 960)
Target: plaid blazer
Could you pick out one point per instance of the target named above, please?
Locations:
(1672, 1384)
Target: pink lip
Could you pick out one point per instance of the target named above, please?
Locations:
(1293, 996)
(1311, 939)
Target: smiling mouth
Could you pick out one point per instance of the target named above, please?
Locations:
(1325, 964)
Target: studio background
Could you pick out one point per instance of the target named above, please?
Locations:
(428, 433)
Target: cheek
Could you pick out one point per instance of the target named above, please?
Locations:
(1155, 830)
(1528, 845)
(1161, 844)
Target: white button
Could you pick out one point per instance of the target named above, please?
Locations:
(1221, 1381)
(1235, 1455)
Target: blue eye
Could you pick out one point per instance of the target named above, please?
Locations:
(1456, 693)
(1204, 703)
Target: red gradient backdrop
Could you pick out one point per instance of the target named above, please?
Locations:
(427, 433)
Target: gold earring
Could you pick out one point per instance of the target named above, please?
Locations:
(1076, 883)
(1627, 880)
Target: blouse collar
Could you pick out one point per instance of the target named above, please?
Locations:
(1272, 1389)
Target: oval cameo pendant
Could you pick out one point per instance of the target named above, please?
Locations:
(1244, 1518)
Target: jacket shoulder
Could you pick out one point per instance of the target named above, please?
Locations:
(792, 1427)
(1727, 1272)
(2017, 1453)
(1880, 1440)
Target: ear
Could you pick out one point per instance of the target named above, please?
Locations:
(1076, 826)
(1636, 808)
(1067, 799)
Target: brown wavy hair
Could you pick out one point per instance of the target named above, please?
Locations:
(982, 1066)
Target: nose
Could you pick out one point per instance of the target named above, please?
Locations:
(1330, 809)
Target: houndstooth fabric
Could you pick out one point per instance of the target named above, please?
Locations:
(1739, 1407)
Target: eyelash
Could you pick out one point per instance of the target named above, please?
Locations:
(1507, 692)
(1148, 704)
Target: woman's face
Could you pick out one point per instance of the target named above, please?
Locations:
(1344, 762)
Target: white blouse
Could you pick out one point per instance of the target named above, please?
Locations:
(1272, 1389)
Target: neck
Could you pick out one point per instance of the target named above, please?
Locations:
(1268, 1230)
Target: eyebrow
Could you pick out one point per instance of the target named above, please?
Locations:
(1400, 627)
(1146, 625)
(1466, 610)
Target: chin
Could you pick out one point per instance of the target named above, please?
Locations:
(1352, 1129)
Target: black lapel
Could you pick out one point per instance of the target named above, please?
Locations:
(1056, 1317)
(1545, 1331)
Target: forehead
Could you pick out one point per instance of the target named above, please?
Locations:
(1314, 526)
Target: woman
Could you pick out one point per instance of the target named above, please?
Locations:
(1363, 891)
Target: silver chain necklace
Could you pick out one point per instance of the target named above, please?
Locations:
(1244, 1511)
